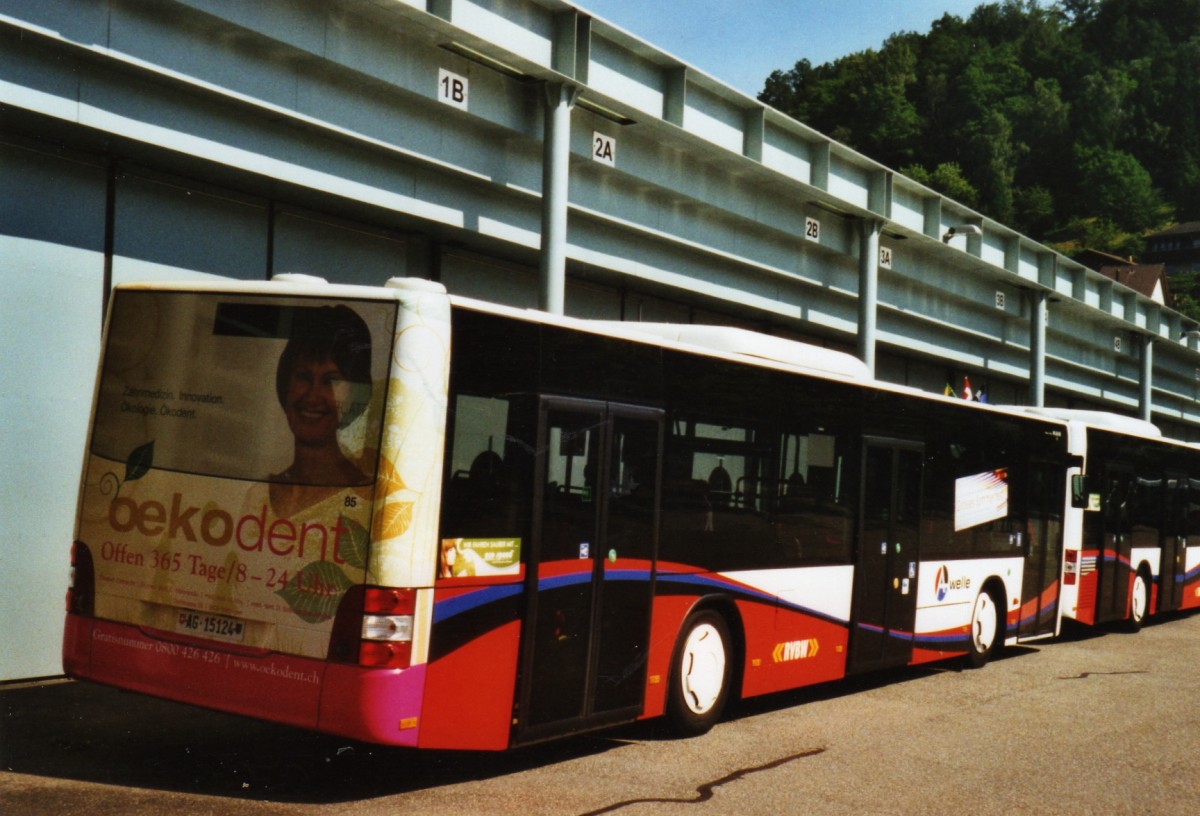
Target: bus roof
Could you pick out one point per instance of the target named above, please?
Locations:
(1102, 420)
(721, 341)
(744, 343)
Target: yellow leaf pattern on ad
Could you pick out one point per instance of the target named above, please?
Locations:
(395, 517)
(389, 478)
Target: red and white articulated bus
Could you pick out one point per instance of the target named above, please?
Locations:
(414, 519)
(1132, 547)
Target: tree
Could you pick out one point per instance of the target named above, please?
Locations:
(947, 179)
(892, 124)
(1051, 114)
(1102, 113)
(1041, 121)
(1033, 210)
(1185, 287)
(1119, 189)
(992, 156)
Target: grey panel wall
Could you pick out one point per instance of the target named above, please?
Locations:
(337, 251)
(51, 273)
(166, 228)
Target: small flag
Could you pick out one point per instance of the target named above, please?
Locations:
(966, 389)
(949, 392)
(981, 396)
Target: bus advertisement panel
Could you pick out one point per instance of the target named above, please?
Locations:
(228, 487)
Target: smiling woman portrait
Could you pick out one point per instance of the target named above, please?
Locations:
(323, 383)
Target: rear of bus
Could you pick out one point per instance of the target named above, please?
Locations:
(259, 501)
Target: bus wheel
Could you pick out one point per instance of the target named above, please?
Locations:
(986, 620)
(700, 672)
(1139, 601)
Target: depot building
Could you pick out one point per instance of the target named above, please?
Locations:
(524, 152)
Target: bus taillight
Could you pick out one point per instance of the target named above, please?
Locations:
(1071, 572)
(81, 591)
(387, 628)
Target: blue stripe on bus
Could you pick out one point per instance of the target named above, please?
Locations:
(449, 607)
(458, 604)
(947, 638)
(894, 633)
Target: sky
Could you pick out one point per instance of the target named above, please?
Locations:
(740, 42)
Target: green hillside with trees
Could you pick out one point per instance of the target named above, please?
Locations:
(1076, 122)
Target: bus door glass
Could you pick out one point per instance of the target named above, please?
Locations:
(1044, 553)
(1189, 549)
(1177, 526)
(1116, 545)
(587, 624)
(885, 582)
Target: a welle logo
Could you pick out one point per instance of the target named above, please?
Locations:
(943, 583)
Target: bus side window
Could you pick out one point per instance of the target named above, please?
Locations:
(958, 474)
(713, 514)
(481, 493)
(812, 517)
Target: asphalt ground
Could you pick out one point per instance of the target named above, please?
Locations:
(1100, 722)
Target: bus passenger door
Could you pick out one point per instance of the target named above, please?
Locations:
(885, 577)
(1177, 527)
(1043, 553)
(1115, 547)
(590, 577)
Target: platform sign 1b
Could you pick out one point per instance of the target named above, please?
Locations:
(452, 89)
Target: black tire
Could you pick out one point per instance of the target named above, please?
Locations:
(987, 629)
(1139, 601)
(701, 668)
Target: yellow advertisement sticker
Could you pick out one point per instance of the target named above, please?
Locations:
(480, 557)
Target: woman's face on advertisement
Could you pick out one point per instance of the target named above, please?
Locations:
(316, 392)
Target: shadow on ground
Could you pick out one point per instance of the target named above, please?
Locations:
(89, 733)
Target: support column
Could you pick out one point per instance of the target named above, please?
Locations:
(868, 290)
(1037, 348)
(1146, 403)
(556, 154)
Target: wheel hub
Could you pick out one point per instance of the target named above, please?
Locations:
(703, 668)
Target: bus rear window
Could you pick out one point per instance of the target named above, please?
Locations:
(255, 388)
